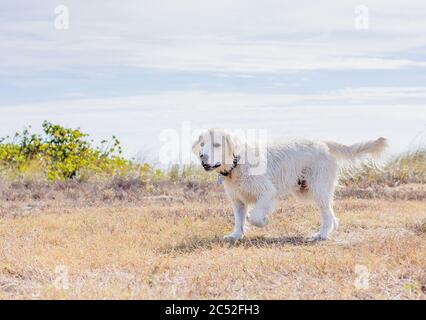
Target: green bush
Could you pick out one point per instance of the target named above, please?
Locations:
(62, 153)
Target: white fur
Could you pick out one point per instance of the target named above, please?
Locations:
(255, 196)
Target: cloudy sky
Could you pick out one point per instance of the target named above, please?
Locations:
(135, 68)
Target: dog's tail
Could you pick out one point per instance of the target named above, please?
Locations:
(373, 148)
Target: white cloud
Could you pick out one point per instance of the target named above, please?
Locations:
(347, 115)
(229, 36)
(221, 101)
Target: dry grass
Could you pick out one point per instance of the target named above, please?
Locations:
(405, 168)
(165, 242)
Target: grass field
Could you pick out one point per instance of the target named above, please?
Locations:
(131, 241)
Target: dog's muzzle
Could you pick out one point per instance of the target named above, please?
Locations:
(208, 167)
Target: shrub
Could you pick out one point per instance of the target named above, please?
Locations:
(61, 153)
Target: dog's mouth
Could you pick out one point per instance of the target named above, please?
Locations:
(208, 167)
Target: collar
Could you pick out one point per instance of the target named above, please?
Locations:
(226, 173)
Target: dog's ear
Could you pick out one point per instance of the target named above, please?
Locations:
(196, 146)
(232, 143)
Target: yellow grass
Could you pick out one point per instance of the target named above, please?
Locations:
(170, 247)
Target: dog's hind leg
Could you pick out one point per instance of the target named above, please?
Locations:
(265, 205)
(323, 193)
(240, 211)
(328, 225)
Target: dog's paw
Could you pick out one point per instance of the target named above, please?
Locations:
(319, 237)
(233, 237)
(258, 222)
(335, 224)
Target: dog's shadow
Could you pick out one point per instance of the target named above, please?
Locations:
(196, 243)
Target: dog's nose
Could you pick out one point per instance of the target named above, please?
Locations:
(203, 157)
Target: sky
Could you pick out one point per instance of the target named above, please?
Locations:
(341, 70)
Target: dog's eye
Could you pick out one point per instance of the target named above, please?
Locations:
(202, 144)
(216, 145)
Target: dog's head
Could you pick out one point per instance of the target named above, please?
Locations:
(216, 149)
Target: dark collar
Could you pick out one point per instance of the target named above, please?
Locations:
(233, 166)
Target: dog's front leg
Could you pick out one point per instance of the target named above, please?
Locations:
(264, 206)
(240, 211)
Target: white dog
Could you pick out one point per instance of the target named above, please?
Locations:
(306, 169)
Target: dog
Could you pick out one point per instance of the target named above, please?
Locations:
(306, 169)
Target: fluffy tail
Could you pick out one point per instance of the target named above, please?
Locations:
(373, 148)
